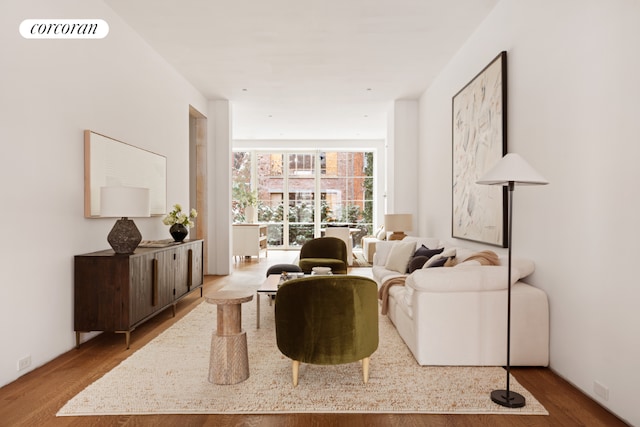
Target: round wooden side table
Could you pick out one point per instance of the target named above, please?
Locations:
(229, 361)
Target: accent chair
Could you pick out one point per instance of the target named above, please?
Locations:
(327, 320)
(324, 252)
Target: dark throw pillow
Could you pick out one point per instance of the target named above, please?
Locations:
(425, 251)
(417, 262)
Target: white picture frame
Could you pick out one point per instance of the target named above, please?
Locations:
(109, 162)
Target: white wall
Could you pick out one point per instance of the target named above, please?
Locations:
(51, 90)
(573, 85)
(219, 154)
(402, 160)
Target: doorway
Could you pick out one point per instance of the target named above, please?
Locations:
(198, 175)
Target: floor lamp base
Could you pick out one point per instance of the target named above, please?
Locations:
(515, 400)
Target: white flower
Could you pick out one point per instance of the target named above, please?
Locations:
(176, 216)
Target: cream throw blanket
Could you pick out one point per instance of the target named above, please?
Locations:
(383, 292)
(484, 258)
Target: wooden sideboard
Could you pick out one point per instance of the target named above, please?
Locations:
(116, 293)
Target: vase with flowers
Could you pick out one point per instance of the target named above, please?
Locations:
(180, 222)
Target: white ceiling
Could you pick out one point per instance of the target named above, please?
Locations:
(306, 69)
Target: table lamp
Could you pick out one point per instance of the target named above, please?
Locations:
(124, 202)
(398, 224)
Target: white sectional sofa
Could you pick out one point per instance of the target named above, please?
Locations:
(369, 247)
(458, 315)
(369, 243)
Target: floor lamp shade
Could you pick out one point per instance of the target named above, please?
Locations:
(124, 202)
(510, 170)
(398, 224)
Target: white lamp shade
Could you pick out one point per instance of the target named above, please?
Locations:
(512, 168)
(398, 222)
(121, 202)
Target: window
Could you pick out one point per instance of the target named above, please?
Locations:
(301, 164)
(291, 193)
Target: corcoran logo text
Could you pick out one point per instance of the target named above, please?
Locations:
(64, 29)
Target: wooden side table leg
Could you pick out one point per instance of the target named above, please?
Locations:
(229, 363)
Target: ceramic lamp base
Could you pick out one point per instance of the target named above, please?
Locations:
(124, 237)
(397, 235)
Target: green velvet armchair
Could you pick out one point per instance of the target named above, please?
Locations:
(324, 252)
(327, 320)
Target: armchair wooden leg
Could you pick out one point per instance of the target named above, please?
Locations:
(365, 369)
(295, 366)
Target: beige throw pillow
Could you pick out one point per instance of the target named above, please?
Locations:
(399, 256)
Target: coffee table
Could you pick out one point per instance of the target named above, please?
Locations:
(269, 287)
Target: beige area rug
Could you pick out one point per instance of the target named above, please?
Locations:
(169, 376)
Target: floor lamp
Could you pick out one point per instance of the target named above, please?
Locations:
(510, 170)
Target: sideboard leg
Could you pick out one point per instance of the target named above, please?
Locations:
(127, 336)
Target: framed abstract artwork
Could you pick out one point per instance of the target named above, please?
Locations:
(479, 137)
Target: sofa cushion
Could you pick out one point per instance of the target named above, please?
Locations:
(399, 256)
(408, 295)
(403, 298)
(336, 265)
(381, 274)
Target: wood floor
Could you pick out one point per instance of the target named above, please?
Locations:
(34, 399)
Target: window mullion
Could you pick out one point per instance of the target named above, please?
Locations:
(316, 197)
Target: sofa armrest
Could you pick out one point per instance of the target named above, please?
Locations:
(369, 247)
(472, 278)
